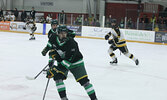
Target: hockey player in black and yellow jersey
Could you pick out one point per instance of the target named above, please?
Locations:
(118, 41)
(65, 50)
(31, 27)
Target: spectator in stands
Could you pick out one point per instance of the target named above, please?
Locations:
(153, 19)
(12, 17)
(1, 12)
(144, 19)
(32, 13)
(62, 17)
(86, 22)
(165, 9)
(108, 23)
(16, 13)
(23, 15)
(97, 23)
(129, 23)
(121, 25)
(42, 20)
(165, 21)
(160, 20)
(79, 20)
(48, 18)
(156, 28)
(1, 18)
(110, 18)
(6, 16)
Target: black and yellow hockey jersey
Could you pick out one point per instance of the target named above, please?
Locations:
(117, 37)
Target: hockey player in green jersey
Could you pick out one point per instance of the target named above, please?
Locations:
(54, 27)
(53, 31)
(118, 42)
(66, 52)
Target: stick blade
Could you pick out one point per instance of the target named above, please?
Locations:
(30, 78)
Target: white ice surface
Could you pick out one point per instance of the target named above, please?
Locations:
(20, 57)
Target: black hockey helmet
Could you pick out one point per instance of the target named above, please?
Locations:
(54, 21)
(62, 28)
(114, 23)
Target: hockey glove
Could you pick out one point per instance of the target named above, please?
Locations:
(44, 51)
(113, 47)
(110, 41)
(51, 72)
(107, 36)
(51, 63)
(24, 28)
(55, 55)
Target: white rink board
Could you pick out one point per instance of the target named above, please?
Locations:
(17, 26)
(136, 35)
(139, 35)
(39, 28)
(48, 27)
(99, 32)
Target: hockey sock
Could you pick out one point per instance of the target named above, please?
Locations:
(112, 55)
(130, 56)
(90, 91)
(61, 89)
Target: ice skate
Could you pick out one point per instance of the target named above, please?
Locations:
(32, 38)
(65, 98)
(114, 62)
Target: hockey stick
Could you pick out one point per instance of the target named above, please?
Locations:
(46, 89)
(33, 78)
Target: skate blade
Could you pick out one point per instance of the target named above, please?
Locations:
(113, 64)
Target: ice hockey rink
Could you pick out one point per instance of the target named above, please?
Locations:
(20, 57)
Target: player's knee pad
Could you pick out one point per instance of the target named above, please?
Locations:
(84, 81)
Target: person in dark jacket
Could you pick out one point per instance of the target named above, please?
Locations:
(1, 12)
(16, 13)
(32, 13)
(23, 15)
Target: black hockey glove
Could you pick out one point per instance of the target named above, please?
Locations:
(44, 51)
(107, 36)
(55, 55)
(51, 63)
(24, 28)
(110, 41)
(113, 47)
(51, 72)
